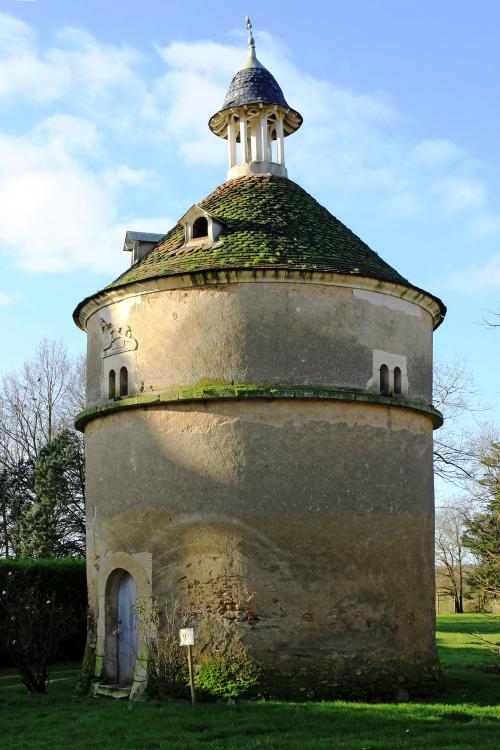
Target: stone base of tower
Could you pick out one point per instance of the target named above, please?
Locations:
(371, 680)
(305, 527)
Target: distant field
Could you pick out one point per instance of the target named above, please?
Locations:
(465, 715)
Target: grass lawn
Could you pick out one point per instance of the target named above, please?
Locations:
(466, 714)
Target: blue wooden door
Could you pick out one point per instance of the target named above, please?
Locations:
(127, 629)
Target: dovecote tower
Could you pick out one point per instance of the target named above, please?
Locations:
(259, 431)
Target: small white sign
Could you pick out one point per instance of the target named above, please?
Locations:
(186, 637)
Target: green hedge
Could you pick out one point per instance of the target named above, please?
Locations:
(63, 578)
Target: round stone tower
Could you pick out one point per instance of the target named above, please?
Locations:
(259, 430)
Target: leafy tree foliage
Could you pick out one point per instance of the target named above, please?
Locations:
(482, 530)
(54, 524)
(41, 457)
(16, 497)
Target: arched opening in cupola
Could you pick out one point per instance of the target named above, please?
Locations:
(200, 227)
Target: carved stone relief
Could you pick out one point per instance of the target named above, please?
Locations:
(117, 354)
(117, 338)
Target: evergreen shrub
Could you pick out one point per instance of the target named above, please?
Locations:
(61, 578)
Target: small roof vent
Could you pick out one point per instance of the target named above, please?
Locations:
(140, 243)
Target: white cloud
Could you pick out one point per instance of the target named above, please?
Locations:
(65, 221)
(193, 88)
(485, 224)
(457, 194)
(355, 141)
(122, 175)
(79, 66)
(474, 279)
(7, 298)
(60, 189)
(56, 213)
(13, 34)
(63, 182)
(56, 220)
(437, 153)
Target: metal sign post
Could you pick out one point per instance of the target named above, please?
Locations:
(186, 638)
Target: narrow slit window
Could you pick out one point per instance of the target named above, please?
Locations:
(384, 380)
(123, 381)
(397, 381)
(111, 384)
(200, 227)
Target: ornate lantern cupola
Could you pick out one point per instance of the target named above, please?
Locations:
(255, 118)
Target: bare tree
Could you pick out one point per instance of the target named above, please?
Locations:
(493, 322)
(455, 394)
(451, 553)
(38, 402)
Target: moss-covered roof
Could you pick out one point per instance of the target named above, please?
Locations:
(269, 222)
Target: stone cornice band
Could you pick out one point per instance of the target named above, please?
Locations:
(96, 302)
(245, 391)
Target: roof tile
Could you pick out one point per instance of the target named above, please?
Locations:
(268, 222)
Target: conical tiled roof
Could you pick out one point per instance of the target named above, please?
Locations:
(268, 222)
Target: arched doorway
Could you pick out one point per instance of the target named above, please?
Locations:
(126, 629)
(123, 579)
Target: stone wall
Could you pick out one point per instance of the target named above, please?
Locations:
(307, 525)
(262, 333)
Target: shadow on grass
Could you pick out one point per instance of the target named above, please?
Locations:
(58, 720)
(468, 623)
(466, 676)
(463, 715)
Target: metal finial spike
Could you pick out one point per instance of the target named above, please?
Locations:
(248, 24)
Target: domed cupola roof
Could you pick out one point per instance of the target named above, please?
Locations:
(253, 84)
(252, 92)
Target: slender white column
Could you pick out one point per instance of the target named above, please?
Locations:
(244, 139)
(280, 141)
(256, 139)
(231, 139)
(265, 141)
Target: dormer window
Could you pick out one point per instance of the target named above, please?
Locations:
(139, 244)
(200, 226)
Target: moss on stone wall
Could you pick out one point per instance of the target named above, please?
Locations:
(206, 389)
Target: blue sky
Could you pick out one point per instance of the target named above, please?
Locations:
(103, 128)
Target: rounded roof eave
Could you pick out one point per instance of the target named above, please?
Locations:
(183, 279)
(292, 120)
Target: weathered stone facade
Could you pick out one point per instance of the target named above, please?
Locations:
(306, 519)
(259, 443)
